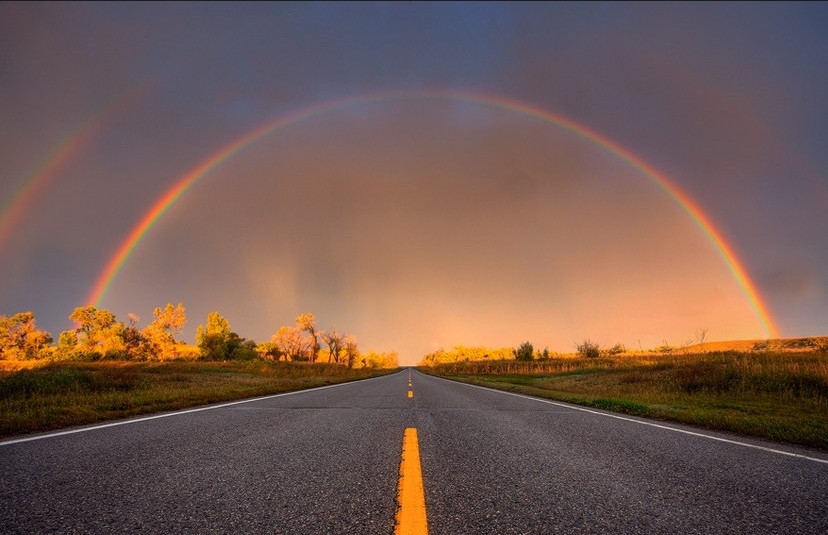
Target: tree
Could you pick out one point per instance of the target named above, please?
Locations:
(67, 347)
(335, 342)
(302, 343)
(136, 344)
(524, 352)
(467, 353)
(160, 334)
(292, 343)
(98, 334)
(90, 322)
(20, 338)
(351, 350)
(307, 323)
(269, 351)
(213, 338)
(372, 359)
(239, 348)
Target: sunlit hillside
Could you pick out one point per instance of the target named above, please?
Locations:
(593, 349)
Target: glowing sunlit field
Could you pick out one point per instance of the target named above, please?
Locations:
(771, 394)
(61, 394)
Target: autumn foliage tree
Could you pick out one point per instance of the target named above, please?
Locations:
(307, 323)
(98, 334)
(335, 342)
(351, 350)
(160, 334)
(268, 351)
(301, 342)
(291, 343)
(21, 339)
(135, 343)
(67, 344)
(467, 353)
(374, 359)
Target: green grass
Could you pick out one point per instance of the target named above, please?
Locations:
(781, 396)
(63, 394)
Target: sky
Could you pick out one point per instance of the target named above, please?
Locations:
(420, 175)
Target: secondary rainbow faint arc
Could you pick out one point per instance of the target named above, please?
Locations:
(22, 197)
(725, 251)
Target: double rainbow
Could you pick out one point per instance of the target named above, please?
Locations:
(725, 251)
(62, 154)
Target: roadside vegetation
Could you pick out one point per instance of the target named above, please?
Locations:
(64, 393)
(106, 369)
(777, 389)
(99, 336)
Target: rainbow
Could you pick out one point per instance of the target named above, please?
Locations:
(68, 148)
(186, 181)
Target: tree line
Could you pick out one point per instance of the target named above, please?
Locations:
(524, 352)
(466, 353)
(98, 335)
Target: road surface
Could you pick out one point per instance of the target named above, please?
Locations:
(328, 461)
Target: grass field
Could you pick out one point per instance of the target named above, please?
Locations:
(45, 397)
(771, 394)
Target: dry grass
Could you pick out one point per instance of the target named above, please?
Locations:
(17, 365)
(781, 395)
(48, 396)
(775, 344)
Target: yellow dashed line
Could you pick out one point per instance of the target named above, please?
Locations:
(411, 515)
(410, 394)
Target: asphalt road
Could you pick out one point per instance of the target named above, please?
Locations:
(327, 461)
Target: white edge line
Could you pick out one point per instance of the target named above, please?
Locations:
(642, 422)
(176, 413)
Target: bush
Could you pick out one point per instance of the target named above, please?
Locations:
(800, 343)
(665, 348)
(524, 352)
(243, 353)
(616, 349)
(589, 349)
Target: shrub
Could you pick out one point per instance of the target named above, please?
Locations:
(589, 349)
(800, 343)
(616, 349)
(665, 348)
(524, 352)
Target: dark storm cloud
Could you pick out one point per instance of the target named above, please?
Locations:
(727, 100)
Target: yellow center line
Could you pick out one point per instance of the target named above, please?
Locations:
(410, 394)
(411, 515)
